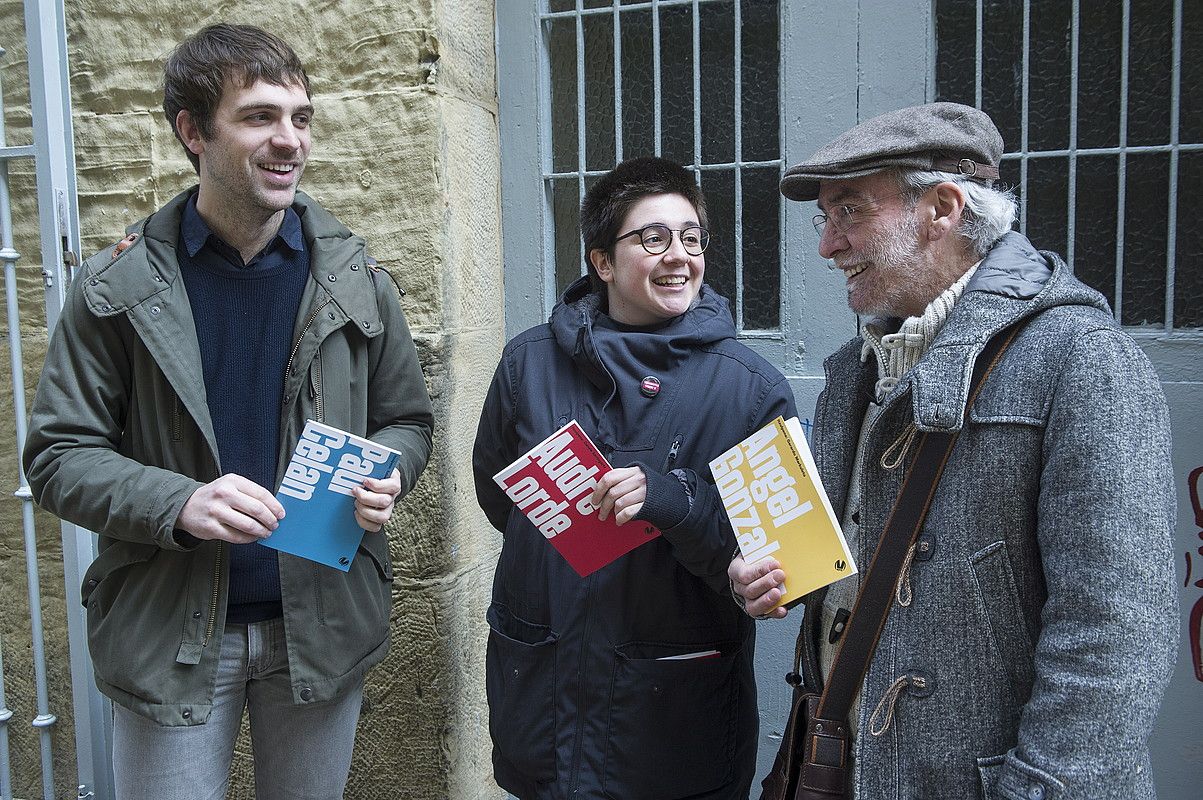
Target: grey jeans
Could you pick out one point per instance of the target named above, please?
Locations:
(302, 752)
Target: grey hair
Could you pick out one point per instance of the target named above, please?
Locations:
(989, 212)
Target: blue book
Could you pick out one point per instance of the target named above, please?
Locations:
(316, 492)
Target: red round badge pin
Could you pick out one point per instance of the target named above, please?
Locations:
(649, 386)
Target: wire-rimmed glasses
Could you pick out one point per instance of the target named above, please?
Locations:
(844, 216)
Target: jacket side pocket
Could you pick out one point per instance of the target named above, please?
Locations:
(116, 556)
(1009, 777)
(672, 723)
(129, 592)
(520, 684)
(999, 599)
(376, 546)
(988, 770)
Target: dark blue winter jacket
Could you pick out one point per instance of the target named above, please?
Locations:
(579, 704)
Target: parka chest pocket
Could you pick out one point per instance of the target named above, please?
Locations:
(672, 721)
(520, 684)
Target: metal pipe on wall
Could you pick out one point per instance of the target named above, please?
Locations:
(6, 783)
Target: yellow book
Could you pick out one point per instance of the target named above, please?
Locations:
(777, 507)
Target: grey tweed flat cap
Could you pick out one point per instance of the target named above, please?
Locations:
(945, 137)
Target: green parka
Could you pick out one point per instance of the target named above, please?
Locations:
(120, 437)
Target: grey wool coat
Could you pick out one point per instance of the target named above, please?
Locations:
(1042, 627)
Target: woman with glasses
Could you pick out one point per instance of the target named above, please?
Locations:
(634, 682)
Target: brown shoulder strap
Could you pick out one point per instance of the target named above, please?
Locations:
(902, 526)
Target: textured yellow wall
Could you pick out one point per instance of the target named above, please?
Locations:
(405, 153)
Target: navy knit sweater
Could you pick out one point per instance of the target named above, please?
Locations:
(244, 316)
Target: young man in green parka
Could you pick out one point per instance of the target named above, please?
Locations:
(186, 362)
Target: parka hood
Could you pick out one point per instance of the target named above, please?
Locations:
(574, 317)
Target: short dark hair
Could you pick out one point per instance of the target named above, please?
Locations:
(197, 70)
(608, 201)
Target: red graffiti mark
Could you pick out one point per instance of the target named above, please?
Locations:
(1196, 478)
(1196, 616)
(1196, 613)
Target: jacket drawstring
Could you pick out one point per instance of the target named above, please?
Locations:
(883, 387)
(902, 591)
(888, 701)
(891, 460)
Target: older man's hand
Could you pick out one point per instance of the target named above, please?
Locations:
(759, 585)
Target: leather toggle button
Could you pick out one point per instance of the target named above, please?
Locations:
(838, 625)
(649, 386)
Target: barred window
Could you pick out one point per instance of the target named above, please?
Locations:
(694, 81)
(1103, 144)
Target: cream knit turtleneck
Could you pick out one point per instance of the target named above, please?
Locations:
(898, 352)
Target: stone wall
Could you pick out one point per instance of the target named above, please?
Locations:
(405, 152)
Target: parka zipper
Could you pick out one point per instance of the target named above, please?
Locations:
(316, 387)
(672, 453)
(177, 423)
(221, 550)
(297, 344)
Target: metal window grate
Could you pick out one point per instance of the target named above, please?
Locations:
(1109, 147)
(694, 81)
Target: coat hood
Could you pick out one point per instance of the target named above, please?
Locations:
(573, 319)
(1013, 283)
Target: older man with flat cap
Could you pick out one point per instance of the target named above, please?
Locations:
(1029, 631)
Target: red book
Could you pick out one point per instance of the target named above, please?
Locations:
(552, 485)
